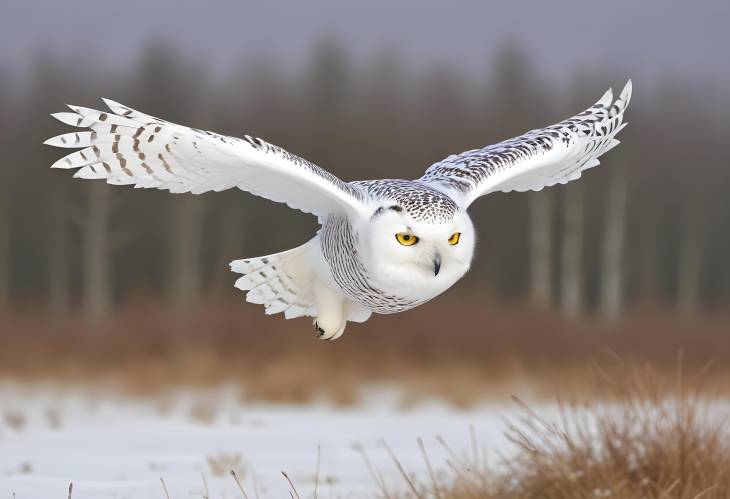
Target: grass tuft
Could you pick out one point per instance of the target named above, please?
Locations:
(293, 490)
(225, 462)
(15, 420)
(238, 484)
(164, 488)
(647, 439)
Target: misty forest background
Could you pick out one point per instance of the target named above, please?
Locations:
(647, 230)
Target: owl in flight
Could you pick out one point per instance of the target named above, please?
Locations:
(384, 246)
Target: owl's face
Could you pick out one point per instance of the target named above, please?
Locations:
(407, 254)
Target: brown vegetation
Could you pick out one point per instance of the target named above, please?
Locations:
(654, 440)
(460, 351)
(14, 420)
(642, 229)
(223, 463)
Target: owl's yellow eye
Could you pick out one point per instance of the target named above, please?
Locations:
(406, 239)
(454, 239)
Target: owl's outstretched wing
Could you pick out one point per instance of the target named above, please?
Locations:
(125, 147)
(539, 158)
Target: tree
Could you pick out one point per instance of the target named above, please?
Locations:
(541, 229)
(327, 94)
(4, 244)
(59, 286)
(571, 296)
(164, 90)
(690, 259)
(230, 238)
(5, 190)
(187, 241)
(329, 82)
(517, 102)
(97, 284)
(612, 267)
(646, 261)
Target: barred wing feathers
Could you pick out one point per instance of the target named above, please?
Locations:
(540, 158)
(126, 147)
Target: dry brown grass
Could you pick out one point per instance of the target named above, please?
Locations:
(204, 410)
(462, 352)
(53, 418)
(223, 463)
(15, 420)
(25, 468)
(649, 438)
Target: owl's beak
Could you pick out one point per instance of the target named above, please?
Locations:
(436, 264)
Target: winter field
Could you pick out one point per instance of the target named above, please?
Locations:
(152, 408)
(186, 443)
(114, 447)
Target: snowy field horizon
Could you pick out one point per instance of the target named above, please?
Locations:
(112, 445)
(120, 446)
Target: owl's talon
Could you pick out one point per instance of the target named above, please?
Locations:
(323, 334)
(320, 332)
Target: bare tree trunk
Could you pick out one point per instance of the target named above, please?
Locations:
(231, 244)
(571, 299)
(97, 289)
(647, 273)
(690, 261)
(612, 283)
(58, 272)
(4, 245)
(541, 228)
(187, 242)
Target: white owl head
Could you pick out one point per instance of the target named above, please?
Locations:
(417, 249)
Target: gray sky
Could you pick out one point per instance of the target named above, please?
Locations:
(645, 39)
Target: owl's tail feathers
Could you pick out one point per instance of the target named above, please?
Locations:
(281, 282)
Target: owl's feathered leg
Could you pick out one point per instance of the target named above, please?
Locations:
(331, 319)
(296, 282)
(280, 282)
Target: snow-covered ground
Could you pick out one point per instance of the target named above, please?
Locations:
(114, 447)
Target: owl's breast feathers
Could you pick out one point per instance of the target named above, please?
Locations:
(340, 245)
(339, 248)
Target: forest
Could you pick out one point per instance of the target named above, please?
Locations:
(649, 229)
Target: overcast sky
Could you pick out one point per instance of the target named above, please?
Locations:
(646, 39)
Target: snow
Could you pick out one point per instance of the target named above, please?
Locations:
(115, 447)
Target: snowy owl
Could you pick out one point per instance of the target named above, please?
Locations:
(384, 246)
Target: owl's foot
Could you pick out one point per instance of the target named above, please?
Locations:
(328, 333)
(330, 320)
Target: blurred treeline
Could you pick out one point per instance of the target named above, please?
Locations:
(647, 229)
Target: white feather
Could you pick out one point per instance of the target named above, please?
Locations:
(537, 159)
(138, 149)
